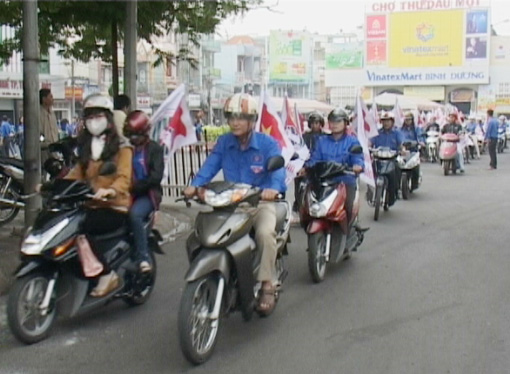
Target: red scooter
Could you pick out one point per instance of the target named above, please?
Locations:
(448, 152)
(331, 238)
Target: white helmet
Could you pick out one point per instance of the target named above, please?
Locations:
(502, 118)
(98, 101)
(241, 104)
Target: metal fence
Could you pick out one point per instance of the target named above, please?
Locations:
(184, 165)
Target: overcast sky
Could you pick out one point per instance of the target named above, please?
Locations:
(323, 17)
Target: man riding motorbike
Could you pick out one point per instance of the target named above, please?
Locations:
(471, 129)
(393, 139)
(242, 155)
(336, 147)
(503, 125)
(411, 132)
(452, 127)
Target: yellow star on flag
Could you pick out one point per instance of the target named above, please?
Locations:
(266, 130)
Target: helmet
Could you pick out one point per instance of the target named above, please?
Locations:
(98, 101)
(409, 115)
(387, 115)
(315, 117)
(241, 105)
(502, 118)
(471, 116)
(136, 123)
(337, 115)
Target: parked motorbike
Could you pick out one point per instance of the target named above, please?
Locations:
(331, 237)
(12, 190)
(50, 280)
(432, 143)
(384, 167)
(409, 163)
(448, 153)
(224, 262)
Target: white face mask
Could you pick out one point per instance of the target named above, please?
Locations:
(96, 126)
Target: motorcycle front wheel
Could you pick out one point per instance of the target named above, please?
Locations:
(7, 212)
(377, 201)
(317, 256)
(198, 333)
(405, 186)
(28, 323)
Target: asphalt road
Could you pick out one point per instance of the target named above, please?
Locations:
(428, 292)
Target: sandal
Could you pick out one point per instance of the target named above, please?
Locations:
(267, 300)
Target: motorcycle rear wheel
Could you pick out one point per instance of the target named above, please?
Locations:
(198, 334)
(25, 319)
(446, 167)
(316, 256)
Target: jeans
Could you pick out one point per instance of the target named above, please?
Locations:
(138, 214)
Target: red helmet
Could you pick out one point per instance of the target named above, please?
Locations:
(136, 123)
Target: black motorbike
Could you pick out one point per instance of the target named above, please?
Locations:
(50, 281)
(385, 167)
(12, 171)
(224, 262)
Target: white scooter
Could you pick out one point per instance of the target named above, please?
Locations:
(432, 145)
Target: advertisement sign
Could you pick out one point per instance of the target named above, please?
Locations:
(434, 93)
(426, 39)
(500, 50)
(427, 43)
(289, 56)
(376, 27)
(344, 56)
(13, 88)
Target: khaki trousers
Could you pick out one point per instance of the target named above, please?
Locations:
(265, 237)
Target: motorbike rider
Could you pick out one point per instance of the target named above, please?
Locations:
(433, 125)
(453, 127)
(335, 147)
(99, 143)
(146, 189)
(393, 139)
(410, 131)
(242, 155)
(503, 125)
(472, 129)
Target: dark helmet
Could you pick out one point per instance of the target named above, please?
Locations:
(136, 123)
(337, 115)
(315, 117)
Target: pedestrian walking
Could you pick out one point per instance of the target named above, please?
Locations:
(491, 136)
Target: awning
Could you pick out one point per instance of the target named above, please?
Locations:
(303, 105)
(406, 102)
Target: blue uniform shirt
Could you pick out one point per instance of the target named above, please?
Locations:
(492, 129)
(392, 139)
(329, 149)
(243, 166)
(139, 165)
(409, 133)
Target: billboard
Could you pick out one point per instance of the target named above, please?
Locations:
(289, 56)
(500, 50)
(427, 43)
(344, 56)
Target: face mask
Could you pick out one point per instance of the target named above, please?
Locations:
(96, 126)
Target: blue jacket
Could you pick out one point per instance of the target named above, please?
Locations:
(392, 139)
(243, 166)
(492, 129)
(471, 127)
(411, 133)
(329, 149)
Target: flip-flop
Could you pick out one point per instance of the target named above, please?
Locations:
(267, 300)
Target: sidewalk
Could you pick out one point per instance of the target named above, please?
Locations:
(172, 220)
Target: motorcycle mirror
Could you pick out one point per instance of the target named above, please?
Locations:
(108, 168)
(275, 163)
(295, 156)
(356, 149)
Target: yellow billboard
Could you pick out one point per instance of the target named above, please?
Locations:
(426, 39)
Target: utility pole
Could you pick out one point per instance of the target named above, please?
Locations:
(73, 100)
(130, 51)
(32, 147)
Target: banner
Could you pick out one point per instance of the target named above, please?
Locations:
(344, 56)
(289, 56)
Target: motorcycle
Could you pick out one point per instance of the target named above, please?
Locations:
(384, 167)
(50, 280)
(432, 145)
(448, 153)
(12, 171)
(224, 262)
(501, 139)
(409, 162)
(331, 237)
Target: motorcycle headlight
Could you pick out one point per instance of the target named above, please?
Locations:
(35, 244)
(224, 198)
(318, 210)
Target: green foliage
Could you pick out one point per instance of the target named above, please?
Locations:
(83, 29)
(214, 132)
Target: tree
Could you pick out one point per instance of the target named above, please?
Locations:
(92, 29)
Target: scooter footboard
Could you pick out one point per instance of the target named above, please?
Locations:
(209, 261)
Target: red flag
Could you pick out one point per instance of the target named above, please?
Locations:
(369, 122)
(368, 174)
(288, 117)
(270, 123)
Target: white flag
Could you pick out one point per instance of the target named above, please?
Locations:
(368, 174)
